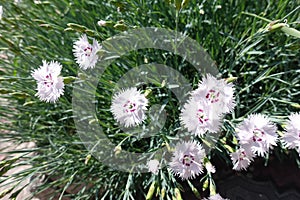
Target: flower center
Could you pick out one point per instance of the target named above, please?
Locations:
(129, 106)
(88, 51)
(257, 135)
(48, 80)
(242, 155)
(201, 116)
(212, 96)
(187, 160)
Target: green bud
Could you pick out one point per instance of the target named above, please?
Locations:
(151, 191)
(231, 79)
(90, 32)
(87, 158)
(120, 27)
(118, 150)
(147, 92)
(205, 185)
(229, 148)
(295, 105)
(177, 194)
(93, 121)
(276, 26)
(29, 103)
(69, 79)
(47, 26)
(194, 190)
(68, 29)
(163, 193)
(20, 95)
(77, 27)
(212, 188)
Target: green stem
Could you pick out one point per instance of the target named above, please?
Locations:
(259, 17)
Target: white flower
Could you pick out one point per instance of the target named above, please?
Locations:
(215, 197)
(129, 106)
(241, 159)
(198, 117)
(210, 168)
(86, 53)
(257, 133)
(153, 166)
(217, 92)
(50, 84)
(101, 23)
(1, 12)
(187, 160)
(291, 137)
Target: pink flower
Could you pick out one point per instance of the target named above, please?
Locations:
(291, 137)
(241, 159)
(86, 53)
(257, 133)
(198, 117)
(216, 92)
(129, 106)
(215, 197)
(153, 166)
(187, 160)
(50, 84)
(210, 168)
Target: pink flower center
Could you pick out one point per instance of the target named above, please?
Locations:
(88, 51)
(48, 80)
(242, 155)
(212, 96)
(201, 116)
(129, 106)
(187, 160)
(257, 135)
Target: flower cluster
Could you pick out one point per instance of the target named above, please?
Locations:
(256, 135)
(208, 103)
(50, 85)
(201, 114)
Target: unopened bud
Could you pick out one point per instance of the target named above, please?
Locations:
(101, 23)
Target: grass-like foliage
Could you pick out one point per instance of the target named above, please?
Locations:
(259, 54)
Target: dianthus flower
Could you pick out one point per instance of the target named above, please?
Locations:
(50, 85)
